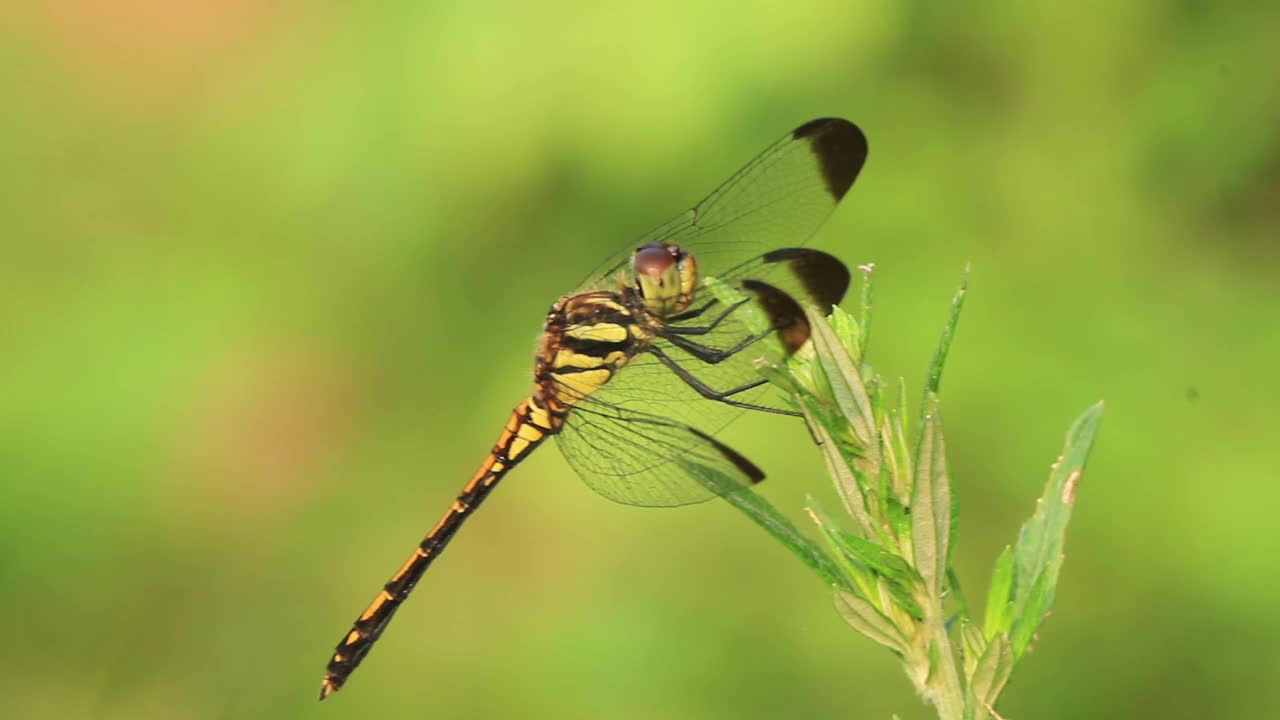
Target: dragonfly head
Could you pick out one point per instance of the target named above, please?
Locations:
(665, 276)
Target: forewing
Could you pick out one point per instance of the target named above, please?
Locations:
(811, 277)
(647, 385)
(636, 458)
(780, 198)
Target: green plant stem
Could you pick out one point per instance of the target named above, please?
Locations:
(931, 666)
(892, 574)
(945, 689)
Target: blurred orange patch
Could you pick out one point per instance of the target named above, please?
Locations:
(156, 48)
(258, 429)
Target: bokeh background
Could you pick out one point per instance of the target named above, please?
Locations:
(271, 275)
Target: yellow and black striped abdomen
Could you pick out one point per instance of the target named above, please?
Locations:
(530, 423)
(588, 337)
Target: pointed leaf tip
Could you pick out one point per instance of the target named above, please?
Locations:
(996, 619)
(1038, 554)
(933, 381)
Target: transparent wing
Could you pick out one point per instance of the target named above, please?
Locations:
(731, 317)
(636, 458)
(780, 198)
(633, 439)
(646, 385)
(645, 438)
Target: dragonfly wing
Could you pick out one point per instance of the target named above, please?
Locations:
(812, 277)
(648, 384)
(780, 198)
(636, 458)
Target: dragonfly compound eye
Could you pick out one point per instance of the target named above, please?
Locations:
(655, 261)
(659, 276)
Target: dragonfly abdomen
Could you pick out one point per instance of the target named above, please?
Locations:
(530, 423)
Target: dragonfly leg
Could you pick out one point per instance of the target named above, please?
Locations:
(704, 329)
(711, 393)
(693, 312)
(711, 355)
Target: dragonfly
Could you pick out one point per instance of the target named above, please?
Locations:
(640, 366)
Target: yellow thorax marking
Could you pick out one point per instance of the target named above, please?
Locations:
(569, 358)
(584, 383)
(599, 298)
(602, 332)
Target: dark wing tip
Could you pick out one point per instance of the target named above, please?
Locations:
(748, 468)
(841, 149)
(745, 466)
(784, 313)
(822, 275)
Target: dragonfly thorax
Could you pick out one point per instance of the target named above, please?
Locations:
(665, 276)
(587, 338)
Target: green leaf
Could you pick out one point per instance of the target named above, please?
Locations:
(879, 559)
(864, 307)
(1038, 554)
(867, 562)
(869, 621)
(934, 379)
(900, 521)
(846, 385)
(846, 481)
(897, 447)
(991, 673)
(861, 579)
(999, 597)
(847, 331)
(931, 503)
(901, 580)
(973, 644)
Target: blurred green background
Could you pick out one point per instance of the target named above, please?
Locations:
(272, 275)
